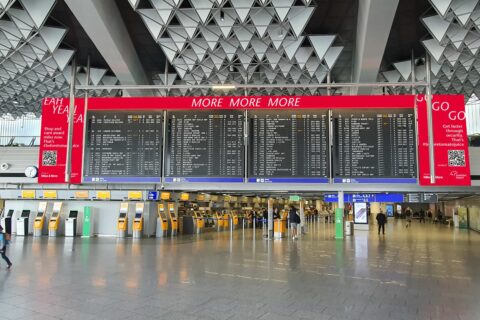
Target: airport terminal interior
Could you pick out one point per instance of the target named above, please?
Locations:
(240, 159)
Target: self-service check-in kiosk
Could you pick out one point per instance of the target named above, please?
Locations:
(6, 221)
(122, 221)
(71, 224)
(138, 220)
(22, 223)
(162, 221)
(54, 221)
(199, 222)
(39, 220)
(172, 216)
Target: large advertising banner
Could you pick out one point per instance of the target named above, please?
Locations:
(452, 167)
(54, 139)
(451, 144)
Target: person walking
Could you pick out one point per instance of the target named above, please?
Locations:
(294, 220)
(408, 216)
(381, 220)
(3, 246)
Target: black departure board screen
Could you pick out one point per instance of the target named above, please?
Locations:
(204, 146)
(375, 145)
(288, 146)
(123, 146)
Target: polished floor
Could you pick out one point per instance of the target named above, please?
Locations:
(424, 272)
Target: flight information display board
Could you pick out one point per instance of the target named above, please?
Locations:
(123, 147)
(374, 146)
(288, 146)
(205, 146)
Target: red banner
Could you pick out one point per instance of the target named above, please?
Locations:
(251, 102)
(451, 144)
(54, 139)
(452, 167)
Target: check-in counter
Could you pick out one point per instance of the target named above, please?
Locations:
(122, 220)
(162, 221)
(54, 221)
(39, 221)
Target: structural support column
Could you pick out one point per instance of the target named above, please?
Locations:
(339, 216)
(374, 22)
(104, 25)
(270, 219)
(71, 113)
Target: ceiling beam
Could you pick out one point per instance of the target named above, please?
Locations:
(103, 23)
(375, 19)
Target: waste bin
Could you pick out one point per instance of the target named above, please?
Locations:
(349, 228)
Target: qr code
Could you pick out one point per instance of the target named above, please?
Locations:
(49, 158)
(456, 158)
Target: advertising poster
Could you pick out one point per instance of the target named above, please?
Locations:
(452, 166)
(54, 138)
(389, 210)
(360, 213)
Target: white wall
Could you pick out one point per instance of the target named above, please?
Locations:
(104, 220)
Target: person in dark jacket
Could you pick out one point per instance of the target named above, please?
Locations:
(381, 220)
(294, 220)
(3, 248)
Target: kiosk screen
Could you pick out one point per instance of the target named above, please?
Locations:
(138, 215)
(123, 214)
(55, 214)
(39, 215)
(10, 213)
(73, 214)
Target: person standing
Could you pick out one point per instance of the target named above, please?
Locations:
(3, 246)
(381, 220)
(294, 220)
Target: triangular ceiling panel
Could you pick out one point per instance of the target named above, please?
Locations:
(321, 44)
(203, 8)
(38, 10)
(332, 55)
(153, 21)
(52, 37)
(242, 7)
(282, 7)
(261, 18)
(437, 26)
(298, 18)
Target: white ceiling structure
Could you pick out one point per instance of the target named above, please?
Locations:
(453, 45)
(33, 63)
(239, 42)
(214, 42)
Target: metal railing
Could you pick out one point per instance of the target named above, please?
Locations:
(19, 141)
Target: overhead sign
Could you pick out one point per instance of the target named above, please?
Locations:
(28, 194)
(294, 198)
(365, 197)
(103, 195)
(421, 198)
(81, 195)
(135, 195)
(451, 145)
(152, 195)
(452, 167)
(49, 194)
